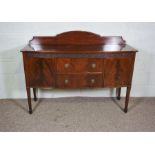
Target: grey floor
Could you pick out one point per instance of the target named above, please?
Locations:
(78, 114)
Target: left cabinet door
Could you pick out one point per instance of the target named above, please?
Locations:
(39, 72)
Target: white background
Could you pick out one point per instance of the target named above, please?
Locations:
(14, 36)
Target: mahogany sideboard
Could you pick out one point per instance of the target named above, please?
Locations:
(78, 59)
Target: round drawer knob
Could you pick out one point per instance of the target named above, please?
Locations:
(66, 81)
(92, 81)
(66, 66)
(93, 65)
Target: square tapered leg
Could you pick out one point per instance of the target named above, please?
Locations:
(29, 99)
(127, 99)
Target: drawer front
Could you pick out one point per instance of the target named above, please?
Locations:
(75, 65)
(80, 81)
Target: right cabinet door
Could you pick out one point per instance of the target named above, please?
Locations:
(118, 71)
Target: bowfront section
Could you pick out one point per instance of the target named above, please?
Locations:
(79, 73)
(78, 60)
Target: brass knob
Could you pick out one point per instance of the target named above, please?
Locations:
(92, 81)
(66, 81)
(66, 66)
(93, 65)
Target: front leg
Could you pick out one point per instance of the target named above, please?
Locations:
(127, 98)
(29, 99)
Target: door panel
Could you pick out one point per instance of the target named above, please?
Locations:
(118, 71)
(39, 71)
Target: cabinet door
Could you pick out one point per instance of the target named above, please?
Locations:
(118, 71)
(39, 71)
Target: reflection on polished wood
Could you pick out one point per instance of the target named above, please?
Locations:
(78, 59)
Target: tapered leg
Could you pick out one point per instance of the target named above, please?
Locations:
(127, 99)
(34, 93)
(118, 93)
(29, 99)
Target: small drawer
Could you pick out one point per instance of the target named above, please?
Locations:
(80, 81)
(75, 65)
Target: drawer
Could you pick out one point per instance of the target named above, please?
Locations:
(79, 81)
(76, 65)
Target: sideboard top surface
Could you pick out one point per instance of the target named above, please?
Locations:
(76, 42)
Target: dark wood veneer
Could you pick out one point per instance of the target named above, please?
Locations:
(94, 61)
